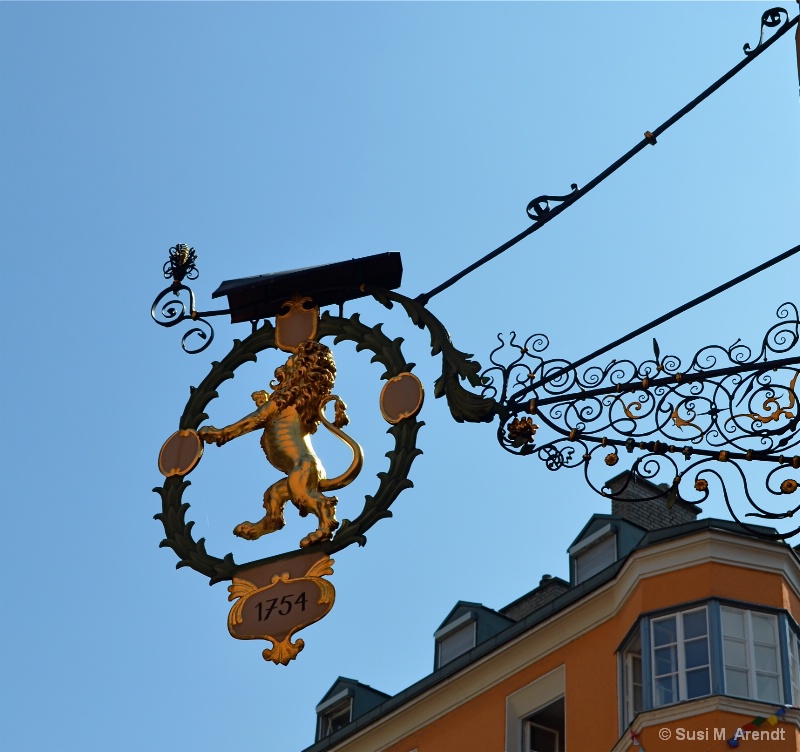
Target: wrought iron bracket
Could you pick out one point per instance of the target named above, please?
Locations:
(169, 310)
(730, 407)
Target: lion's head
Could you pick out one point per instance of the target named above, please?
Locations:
(305, 381)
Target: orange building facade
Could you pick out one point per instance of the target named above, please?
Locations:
(672, 634)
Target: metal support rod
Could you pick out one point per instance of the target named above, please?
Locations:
(685, 378)
(515, 398)
(687, 450)
(203, 314)
(577, 193)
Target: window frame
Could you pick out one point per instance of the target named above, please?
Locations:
(792, 683)
(681, 669)
(601, 539)
(332, 710)
(465, 622)
(787, 649)
(751, 669)
(527, 701)
(542, 720)
(632, 647)
(528, 742)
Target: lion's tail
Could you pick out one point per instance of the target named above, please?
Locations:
(349, 475)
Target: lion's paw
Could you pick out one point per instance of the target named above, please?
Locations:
(318, 536)
(254, 530)
(248, 531)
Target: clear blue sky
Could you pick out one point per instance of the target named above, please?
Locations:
(271, 136)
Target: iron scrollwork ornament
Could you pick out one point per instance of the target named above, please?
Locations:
(695, 426)
(169, 310)
(457, 366)
(540, 207)
(771, 19)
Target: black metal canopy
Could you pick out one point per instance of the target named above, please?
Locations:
(263, 296)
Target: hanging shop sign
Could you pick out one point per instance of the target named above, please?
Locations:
(277, 596)
(694, 427)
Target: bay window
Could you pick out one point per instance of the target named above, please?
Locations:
(709, 649)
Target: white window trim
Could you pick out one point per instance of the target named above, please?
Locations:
(335, 700)
(523, 703)
(750, 645)
(454, 625)
(681, 651)
(793, 648)
(591, 540)
(335, 703)
(527, 735)
(470, 629)
(630, 712)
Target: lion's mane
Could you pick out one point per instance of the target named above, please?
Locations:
(307, 383)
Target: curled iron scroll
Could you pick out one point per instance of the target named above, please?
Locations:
(689, 426)
(770, 19)
(169, 310)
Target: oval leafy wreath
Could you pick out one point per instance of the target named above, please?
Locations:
(178, 532)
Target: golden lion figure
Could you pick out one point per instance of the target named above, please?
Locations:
(289, 416)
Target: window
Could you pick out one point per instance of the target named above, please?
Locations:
(632, 678)
(534, 710)
(710, 649)
(334, 714)
(544, 730)
(794, 664)
(680, 657)
(455, 638)
(751, 654)
(594, 553)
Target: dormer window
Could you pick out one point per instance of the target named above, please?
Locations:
(455, 638)
(334, 713)
(594, 553)
(345, 702)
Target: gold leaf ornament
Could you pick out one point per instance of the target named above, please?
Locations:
(284, 651)
(789, 486)
(274, 605)
(239, 589)
(321, 568)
